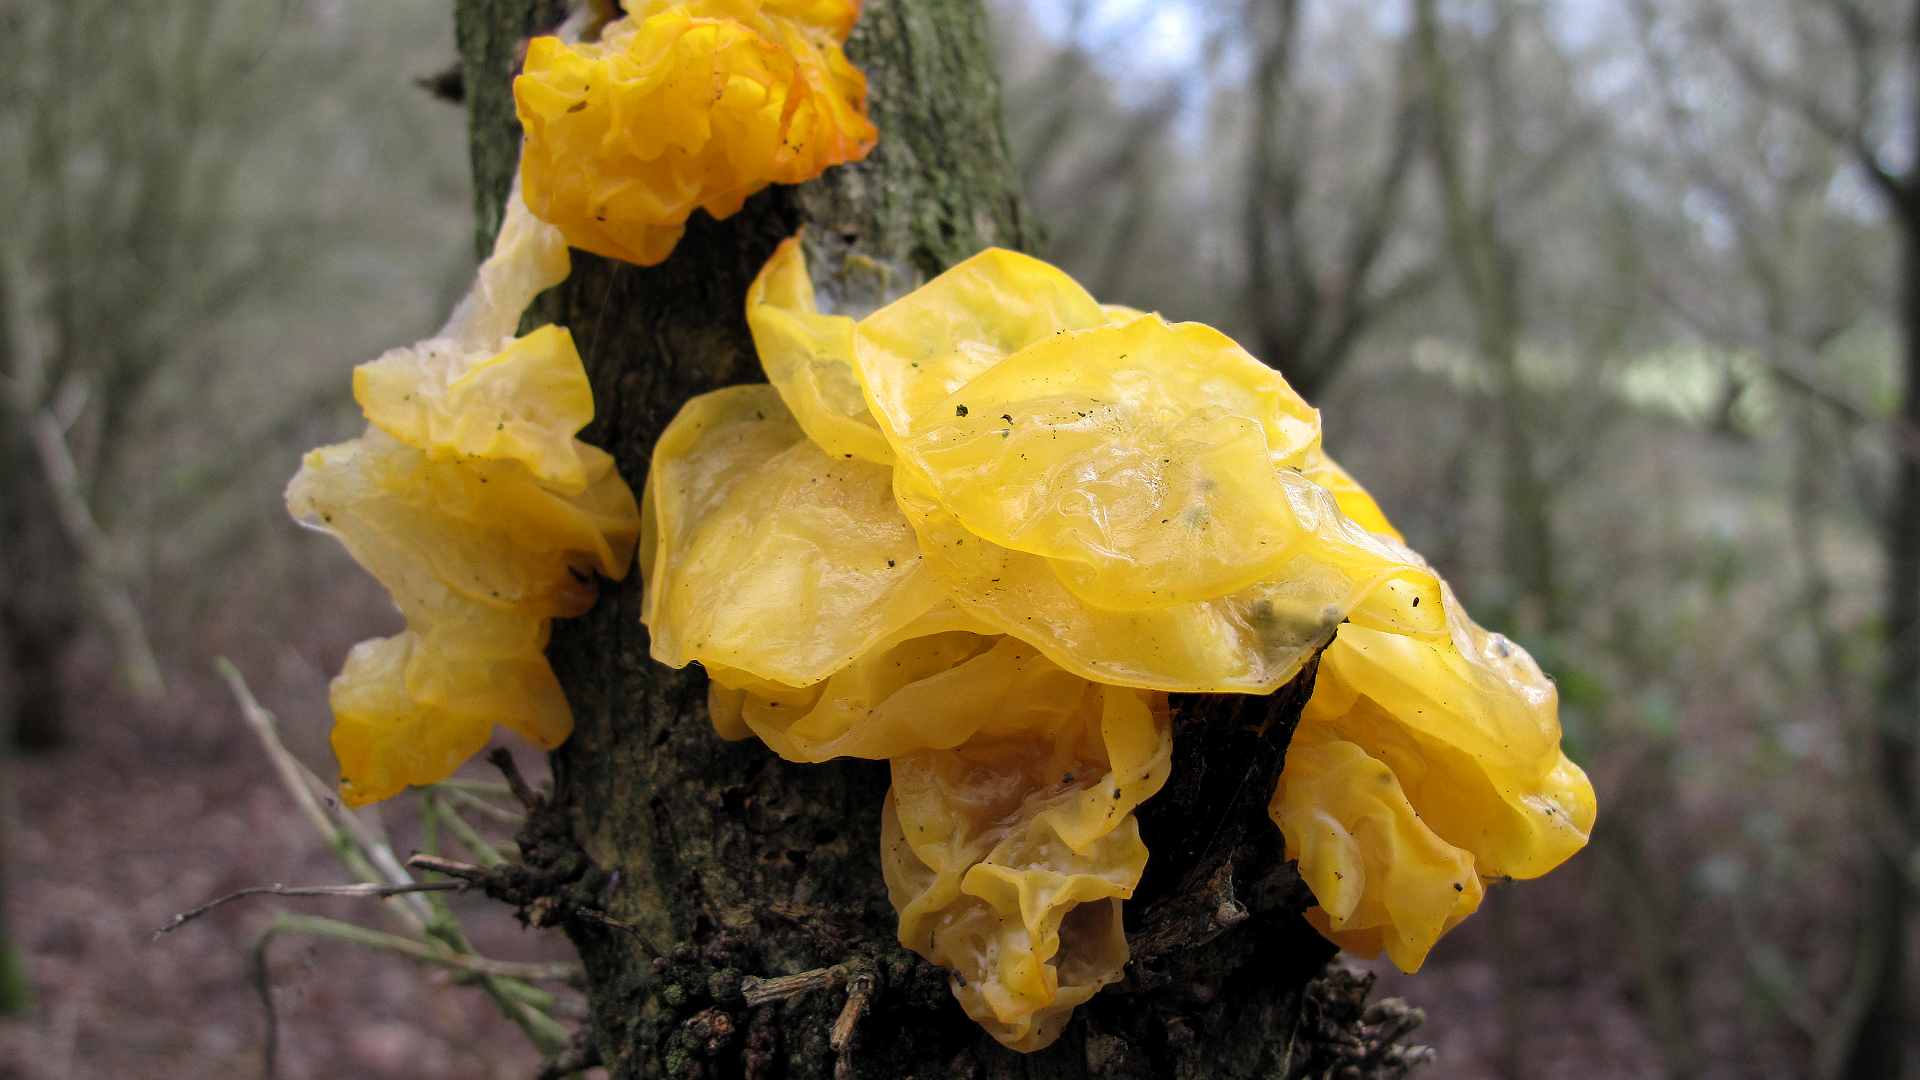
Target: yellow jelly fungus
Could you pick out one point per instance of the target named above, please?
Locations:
(1008, 856)
(472, 502)
(1135, 497)
(473, 391)
(1015, 780)
(771, 556)
(983, 531)
(1382, 878)
(808, 357)
(685, 105)
(478, 556)
(1453, 773)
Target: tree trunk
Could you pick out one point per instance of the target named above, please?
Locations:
(734, 863)
(40, 591)
(1875, 1005)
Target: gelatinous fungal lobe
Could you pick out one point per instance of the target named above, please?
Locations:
(470, 500)
(1008, 856)
(1136, 497)
(681, 106)
(1421, 767)
(983, 531)
(808, 357)
(792, 577)
(766, 555)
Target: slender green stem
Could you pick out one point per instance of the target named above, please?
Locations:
(436, 934)
(468, 837)
(346, 834)
(472, 801)
(551, 971)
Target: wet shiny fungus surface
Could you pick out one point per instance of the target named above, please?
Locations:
(982, 532)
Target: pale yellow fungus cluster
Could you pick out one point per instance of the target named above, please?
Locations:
(684, 105)
(469, 497)
(982, 532)
(472, 502)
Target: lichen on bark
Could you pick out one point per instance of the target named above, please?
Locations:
(733, 863)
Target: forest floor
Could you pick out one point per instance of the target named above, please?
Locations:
(144, 813)
(147, 812)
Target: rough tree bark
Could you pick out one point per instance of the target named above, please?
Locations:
(734, 863)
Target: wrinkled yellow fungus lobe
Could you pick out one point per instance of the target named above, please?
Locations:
(681, 106)
(985, 530)
(472, 502)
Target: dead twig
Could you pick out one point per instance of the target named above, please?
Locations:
(365, 889)
(760, 991)
(503, 760)
(468, 873)
(860, 989)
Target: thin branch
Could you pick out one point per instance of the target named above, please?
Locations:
(363, 889)
(378, 850)
(502, 759)
(502, 979)
(467, 872)
(266, 726)
(763, 991)
(468, 799)
(472, 787)
(1847, 133)
(464, 834)
(346, 834)
(548, 971)
(1795, 363)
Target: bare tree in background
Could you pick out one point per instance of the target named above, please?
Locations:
(1491, 180)
(127, 231)
(1254, 189)
(121, 242)
(1872, 53)
(1760, 195)
(1100, 163)
(1314, 272)
(1479, 209)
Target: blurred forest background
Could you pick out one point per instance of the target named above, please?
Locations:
(1603, 299)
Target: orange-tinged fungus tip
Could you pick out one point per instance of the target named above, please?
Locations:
(682, 106)
(983, 531)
